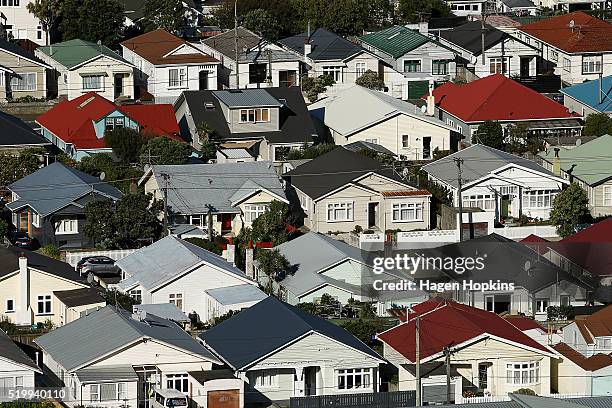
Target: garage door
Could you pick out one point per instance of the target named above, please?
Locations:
(224, 399)
(437, 393)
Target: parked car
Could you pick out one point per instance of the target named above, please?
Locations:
(97, 265)
(21, 239)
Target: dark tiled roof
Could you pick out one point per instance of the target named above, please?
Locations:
(16, 132)
(10, 351)
(79, 297)
(225, 43)
(468, 36)
(325, 45)
(9, 259)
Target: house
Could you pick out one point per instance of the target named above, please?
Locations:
(341, 189)
(575, 373)
(29, 286)
(288, 361)
(18, 135)
(167, 311)
(577, 165)
(175, 271)
(21, 73)
(232, 298)
(487, 353)
(517, 7)
(361, 114)
(77, 126)
(504, 54)
(134, 12)
(111, 356)
(590, 335)
(49, 204)
(225, 197)
(81, 66)
(535, 330)
(498, 182)
(323, 265)
(19, 23)
(463, 8)
(589, 97)
(562, 6)
(412, 53)
(577, 46)
(275, 120)
(167, 65)
(17, 369)
(75, 303)
(501, 99)
(261, 64)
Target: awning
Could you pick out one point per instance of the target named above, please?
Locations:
(554, 124)
(113, 373)
(239, 145)
(85, 74)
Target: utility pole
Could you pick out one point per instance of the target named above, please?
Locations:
(459, 162)
(447, 354)
(418, 360)
(165, 176)
(482, 33)
(236, 42)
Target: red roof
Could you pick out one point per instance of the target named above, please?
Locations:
(523, 323)
(445, 323)
(72, 121)
(533, 238)
(593, 363)
(588, 34)
(498, 98)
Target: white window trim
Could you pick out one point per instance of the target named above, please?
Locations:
(536, 368)
(415, 207)
(538, 309)
(183, 80)
(173, 297)
(101, 88)
(26, 90)
(35, 219)
(254, 115)
(254, 209)
(349, 207)
(607, 190)
(259, 374)
(361, 67)
(99, 392)
(44, 296)
(61, 230)
(336, 71)
(342, 373)
(180, 377)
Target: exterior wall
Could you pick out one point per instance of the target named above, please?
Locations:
(8, 369)
(348, 73)
(260, 198)
(574, 338)
(21, 66)
(70, 314)
(236, 127)
(80, 394)
(575, 106)
(24, 25)
(596, 199)
(277, 66)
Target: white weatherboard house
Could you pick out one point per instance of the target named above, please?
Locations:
(16, 368)
(175, 271)
(20, 23)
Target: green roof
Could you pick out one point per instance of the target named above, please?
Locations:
(75, 52)
(396, 40)
(587, 167)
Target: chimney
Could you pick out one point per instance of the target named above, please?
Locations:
(424, 27)
(431, 101)
(23, 302)
(307, 48)
(249, 266)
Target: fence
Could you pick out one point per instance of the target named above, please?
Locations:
(544, 231)
(73, 258)
(500, 398)
(398, 399)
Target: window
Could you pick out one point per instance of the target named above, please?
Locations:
(10, 305)
(407, 212)
(497, 65)
(607, 195)
(19, 382)
(554, 56)
(375, 141)
(412, 65)
(483, 201)
(177, 78)
(567, 64)
(253, 211)
(178, 382)
(439, 67)
(257, 73)
(136, 294)
(255, 115)
(508, 190)
(93, 82)
(482, 376)
(339, 212)
(405, 141)
(538, 198)
(564, 300)
(591, 64)
(39, 32)
(265, 379)
(334, 72)
(67, 226)
(523, 373)
(35, 219)
(360, 68)
(354, 378)
(603, 343)
(44, 305)
(489, 303)
(24, 82)
(541, 305)
(10, 3)
(107, 392)
(176, 299)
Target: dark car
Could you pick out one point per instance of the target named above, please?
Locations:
(97, 265)
(21, 239)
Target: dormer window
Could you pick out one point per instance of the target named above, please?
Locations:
(257, 115)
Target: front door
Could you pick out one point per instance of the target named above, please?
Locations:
(372, 214)
(426, 147)
(118, 85)
(525, 63)
(203, 80)
(310, 378)
(226, 222)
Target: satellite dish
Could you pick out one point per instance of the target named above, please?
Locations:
(423, 109)
(578, 142)
(102, 176)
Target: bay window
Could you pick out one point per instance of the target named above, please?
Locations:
(407, 212)
(339, 212)
(93, 82)
(523, 373)
(354, 378)
(334, 72)
(24, 82)
(253, 211)
(178, 382)
(592, 64)
(538, 198)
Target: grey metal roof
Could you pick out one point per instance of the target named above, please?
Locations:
(325, 45)
(111, 373)
(79, 297)
(225, 43)
(164, 310)
(469, 36)
(196, 188)
(247, 98)
(55, 186)
(232, 295)
(10, 351)
(518, 3)
(108, 329)
(268, 326)
(480, 160)
(257, 55)
(165, 259)
(236, 153)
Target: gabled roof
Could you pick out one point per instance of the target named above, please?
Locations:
(592, 363)
(74, 53)
(9, 259)
(360, 145)
(444, 323)
(225, 43)
(166, 260)
(11, 352)
(585, 34)
(587, 94)
(468, 36)
(497, 98)
(167, 311)
(72, 121)
(395, 40)
(16, 133)
(524, 323)
(159, 47)
(326, 45)
(55, 186)
(599, 324)
(269, 326)
(20, 52)
(109, 329)
(519, 3)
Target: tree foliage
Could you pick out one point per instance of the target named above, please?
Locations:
(570, 208)
(120, 175)
(371, 80)
(15, 167)
(490, 133)
(273, 264)
(365, 329)
(92, 20)
(115, 298)
(310, 152)
(161, 150)
(521, 140)
(313, 87)
(263, 23)
(206, 244)
(168, 15)
(271, 225)
(597, 124)
(46, 11)
(412, 11)
(126, 143)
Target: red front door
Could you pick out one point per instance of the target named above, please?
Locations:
(226, 222)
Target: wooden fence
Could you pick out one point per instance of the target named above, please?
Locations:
(396, 399)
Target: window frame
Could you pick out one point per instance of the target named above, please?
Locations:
(178, 378)
(136, 294)
(531, 378)
(499, 63)
(435, 66)
(335, 71)
(405, 141)
(539, 303)
(250, 209)
(60, 228)
(176, 299)
(595, 70)
(251, 115)
(181, 80)
(25, 88)
(360, 68)
(87, 88)
(411, 62)
(46, 300)
(365, 376)
(260, 375)
(346, 206)
(6, 308)
(406, 206)
(607, 190)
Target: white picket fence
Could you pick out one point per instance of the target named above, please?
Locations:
(73, 258)
(500, 398)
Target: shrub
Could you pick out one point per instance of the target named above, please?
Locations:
(52, 251)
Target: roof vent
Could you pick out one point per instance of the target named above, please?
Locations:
(209, 105)
(283, 101)
(393, 36)
(86, 101)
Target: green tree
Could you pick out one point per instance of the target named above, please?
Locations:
(121, 175)
(371, 80)
(310, 152)
(490, 133)
(168, 15)
(274, 265)
(263, 23)
(570, 208)
(92, 20)
(313, 87)
(365, 329)
(208, 150)
(411, 11)
(47, 12)
(271, 225)
(206, 244)
(115, 298)
(15, 167)
(4, 229)
(161, 150)
(597, 124)
(126, 143)
(52, 251)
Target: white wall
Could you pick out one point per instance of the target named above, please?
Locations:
(24, 25)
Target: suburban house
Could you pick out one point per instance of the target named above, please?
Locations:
(575, 373)
(463, 8)
(49, 204)
(18, 135)
(487, 353)
(570, 6)
(111, 356)
(498, 182)
(75, 303)
(517, 7)
(299, 355)
(589, 97)
(77, 126)
(167, 65)
(175, 271)
(29, 283)
(276, 120)
(19, 23)
(362, 114)
(576, 46)
(504, 54)
(235, 298)
(81, 66)
(133, 10)
(501, 99)
(323, 265)
(341, 189)
(21, 73)
(260, 64)
(225, 197)
(17, 368)
(535, 329)
(579, 165)
(590, 335)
